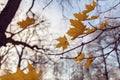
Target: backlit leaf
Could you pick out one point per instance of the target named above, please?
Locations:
(76, 23)
(7, 77)
(62, 43)
(76, 31)
(79, 58)
(32, 75)
(20, 75)
(89, 7)
(89, 61)
(89, 31)
(26, 23)
(81, 17)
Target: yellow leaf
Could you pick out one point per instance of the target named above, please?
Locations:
(26, 23)
(94, 4)
(62, 43)
(76, 23)
(89, 7)
(20, 75)
(32, 75)
(94, 17)
(80, 57)
(89, 31)
(7, 77)
(81, 17)
(89, 61)
(76, 31)
(103, 25)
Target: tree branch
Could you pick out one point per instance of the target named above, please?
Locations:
(6, 17)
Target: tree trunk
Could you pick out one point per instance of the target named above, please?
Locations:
(6, 17)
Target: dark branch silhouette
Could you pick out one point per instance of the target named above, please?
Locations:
(6, 17)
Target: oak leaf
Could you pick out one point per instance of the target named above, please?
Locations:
(62, 43)
(26, 23)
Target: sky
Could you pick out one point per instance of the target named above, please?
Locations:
(59, 18)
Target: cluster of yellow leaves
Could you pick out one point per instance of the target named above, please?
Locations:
(81, 56)
(62, 43)
(78, 28)
(89, 31)
(25, 23)
(20, 75)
